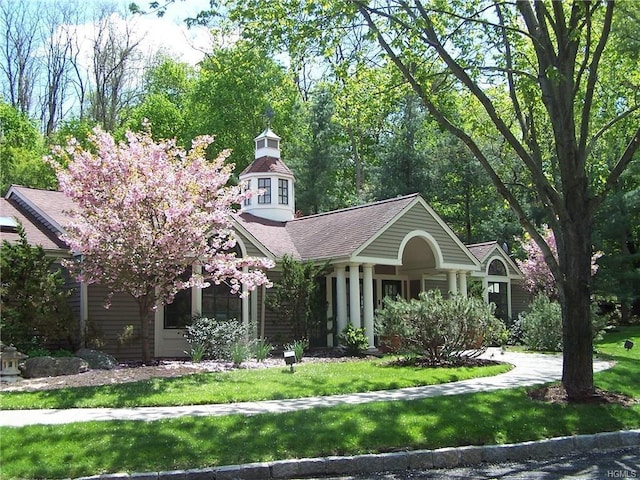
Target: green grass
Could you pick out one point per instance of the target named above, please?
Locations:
(506, 416)
(309, 379)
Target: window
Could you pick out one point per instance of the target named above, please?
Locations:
(219, 303)
(271, 143)
(260, 143)
(497, 268)
(283, 191)
(264, 184)
(177, 314)
(247, 201)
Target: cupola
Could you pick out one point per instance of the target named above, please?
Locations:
(268, 174)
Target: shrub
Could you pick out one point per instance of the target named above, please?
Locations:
(441, 328)
(240, 351)
(354, 340)
(541, 326)
(217, 338)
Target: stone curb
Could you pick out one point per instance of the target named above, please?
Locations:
(450, 457)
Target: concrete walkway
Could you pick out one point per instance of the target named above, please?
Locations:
(529, 369)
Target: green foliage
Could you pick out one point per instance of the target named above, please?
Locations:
(262, 349)
(196, 352)
(218, 339)
(21, 150)
(33, 301)
(297, 297)
(354, 340)
(240, 351)
(441, 328)
(541, 326)
(298, 347)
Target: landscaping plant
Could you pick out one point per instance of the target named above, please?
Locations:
(262, 349)
(298, 347)
(354, 340)
(443, 328)
(216, 337)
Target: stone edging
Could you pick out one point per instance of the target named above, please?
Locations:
(379, 462)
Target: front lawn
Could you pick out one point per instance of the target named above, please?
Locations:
(309, 380)
(506, 416)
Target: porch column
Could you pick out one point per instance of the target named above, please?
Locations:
(509, 312)
(453, 284)
(485, 289)
(329, 312)
(462, 283)
(245, 304)
(341, 301)
(354, 295)
(367, 290)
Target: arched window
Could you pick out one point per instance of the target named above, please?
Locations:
(496, 267)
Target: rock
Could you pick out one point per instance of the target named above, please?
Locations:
(97, 360)
(52, 367)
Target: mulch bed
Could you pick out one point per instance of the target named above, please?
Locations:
(557, 394)
(454, 362)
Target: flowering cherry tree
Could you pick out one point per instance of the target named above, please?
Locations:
(149, 211)
(538, 278)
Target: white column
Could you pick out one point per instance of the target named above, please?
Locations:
(354, 295)
(485, 289)
(462, 283)
(453, 284)
(245, 301)
(253, 313)
(329, 312)
(341, 301)
(196, 294)
(509, 312)
(367, 291)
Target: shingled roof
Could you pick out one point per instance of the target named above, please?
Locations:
(326, 235)
(267, 165)
(36, 233)
(481, 250)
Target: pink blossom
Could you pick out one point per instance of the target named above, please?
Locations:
(148, 212)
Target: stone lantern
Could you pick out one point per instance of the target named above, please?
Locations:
(9, 359)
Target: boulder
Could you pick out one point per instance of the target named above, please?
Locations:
(97, 360)
(52, 367)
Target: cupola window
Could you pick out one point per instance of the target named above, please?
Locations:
(264, 184)
(247, 201)
(272, 143)
(283, 191)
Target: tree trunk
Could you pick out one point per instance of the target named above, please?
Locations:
(146, 315)
(575, 293)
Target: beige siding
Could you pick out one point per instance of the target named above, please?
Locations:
(520, 300)
(107, 326)
(388, 243)
(252, 250)
(441, 285)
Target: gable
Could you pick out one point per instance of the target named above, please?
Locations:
(419, 218)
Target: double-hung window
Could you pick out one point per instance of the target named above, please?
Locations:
(264, 184)
(283, 191)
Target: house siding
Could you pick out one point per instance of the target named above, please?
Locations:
(388, 243)
(106, 326)
(520, 300)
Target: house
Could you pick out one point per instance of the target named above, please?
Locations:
(398, 246)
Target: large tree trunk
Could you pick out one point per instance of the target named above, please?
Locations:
(575, 253)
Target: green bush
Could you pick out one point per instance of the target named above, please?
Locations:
(262, 350)
(216, 338)
(441, 328)
(541, 326)
(354, 340)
